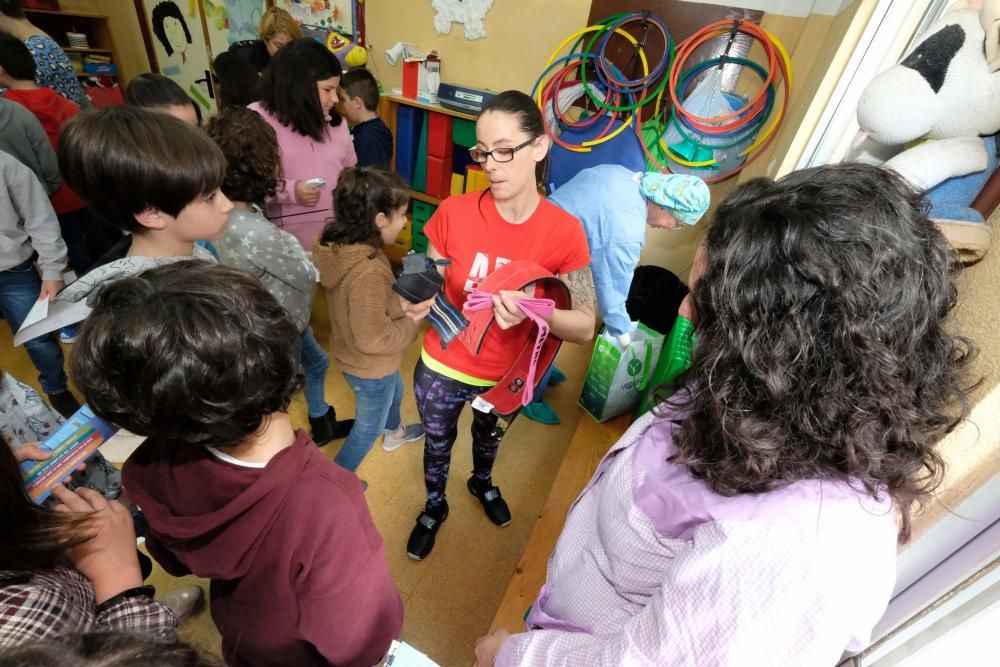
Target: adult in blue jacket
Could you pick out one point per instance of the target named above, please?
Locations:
(615, 206)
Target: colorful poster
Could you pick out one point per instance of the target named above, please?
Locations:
(231, 21)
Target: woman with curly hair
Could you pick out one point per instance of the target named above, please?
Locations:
(275, 257)
(753, 518)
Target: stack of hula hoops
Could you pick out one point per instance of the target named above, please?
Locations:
(731, 134)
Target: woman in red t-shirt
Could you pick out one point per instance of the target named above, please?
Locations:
(479, 232)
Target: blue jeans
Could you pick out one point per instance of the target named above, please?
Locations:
(314, 364)
(19, 288)
(543, 385)
(376, 410)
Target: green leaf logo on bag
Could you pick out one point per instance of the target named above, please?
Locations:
(634, 367)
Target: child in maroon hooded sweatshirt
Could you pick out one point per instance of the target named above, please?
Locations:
(199, 359)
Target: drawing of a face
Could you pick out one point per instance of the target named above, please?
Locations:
(170, 29)
(174, 30)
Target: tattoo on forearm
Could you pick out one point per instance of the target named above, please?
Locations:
(581, 288)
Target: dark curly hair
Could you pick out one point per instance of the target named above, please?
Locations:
(251, 149)
(821, 350)
(287, 88)
(362, 193)
(190, 353)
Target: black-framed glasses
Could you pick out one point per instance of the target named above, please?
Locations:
(499, 154)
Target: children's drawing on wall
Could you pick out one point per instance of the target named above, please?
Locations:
(471, 13)
(322, 15)
(179, 43)
(171, 29)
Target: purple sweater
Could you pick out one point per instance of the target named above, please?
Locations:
(654, 568)
(303, 158)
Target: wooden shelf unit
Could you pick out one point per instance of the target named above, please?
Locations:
(97, 28)
(387, 109)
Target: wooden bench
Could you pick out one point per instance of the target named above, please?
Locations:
(590, 443)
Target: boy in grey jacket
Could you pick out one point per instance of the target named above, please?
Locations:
(24, 138)
(29, 229)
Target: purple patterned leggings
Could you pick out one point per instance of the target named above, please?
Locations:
(440, 400)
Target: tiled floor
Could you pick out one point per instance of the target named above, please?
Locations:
(451, 597)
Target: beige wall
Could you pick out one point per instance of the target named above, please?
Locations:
(516, 46)
(125, 32)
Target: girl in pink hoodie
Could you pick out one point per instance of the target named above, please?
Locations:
(298, 95)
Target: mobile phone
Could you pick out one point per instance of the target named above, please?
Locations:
(316, 182)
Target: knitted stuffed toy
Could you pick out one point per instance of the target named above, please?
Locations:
(469, 12)
(942, 101)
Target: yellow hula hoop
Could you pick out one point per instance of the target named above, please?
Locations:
(761, 138)
(587, 145)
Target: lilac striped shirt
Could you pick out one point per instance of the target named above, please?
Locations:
(654, 568)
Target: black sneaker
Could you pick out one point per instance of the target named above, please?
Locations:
(327, 428)
(64, 403)
(493, 504)
(421, 541)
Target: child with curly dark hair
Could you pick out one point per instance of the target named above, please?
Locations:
(199, 359)
(772, 487)
(368, 329)
(274, 256)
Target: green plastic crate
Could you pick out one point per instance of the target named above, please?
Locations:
(463, 132)
(419, 242)
(422, 212)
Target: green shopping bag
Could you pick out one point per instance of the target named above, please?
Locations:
(618, 375)
(675, 358)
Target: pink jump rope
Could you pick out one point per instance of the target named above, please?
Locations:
(534, 309)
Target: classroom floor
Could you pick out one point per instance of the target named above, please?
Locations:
(451, 597)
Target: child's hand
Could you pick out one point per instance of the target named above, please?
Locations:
(417, 311)
(108, 559)
(30, 451)
(306, 195)
(50, 289)
(487, 647)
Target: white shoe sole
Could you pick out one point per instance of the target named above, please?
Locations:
(399, 443)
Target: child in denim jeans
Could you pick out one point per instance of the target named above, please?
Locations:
(368, 330)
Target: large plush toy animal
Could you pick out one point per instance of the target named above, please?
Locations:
(942, 102)
(469, 12)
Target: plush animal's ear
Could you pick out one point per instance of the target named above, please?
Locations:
(989, 15)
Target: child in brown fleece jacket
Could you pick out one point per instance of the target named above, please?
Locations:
(368, 329)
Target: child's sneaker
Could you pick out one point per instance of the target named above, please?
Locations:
(411, 433)
(183, 601)
(67, 334)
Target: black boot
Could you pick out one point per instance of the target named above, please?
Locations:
(327, 428)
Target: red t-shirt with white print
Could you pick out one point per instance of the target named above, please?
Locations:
(469, 230)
